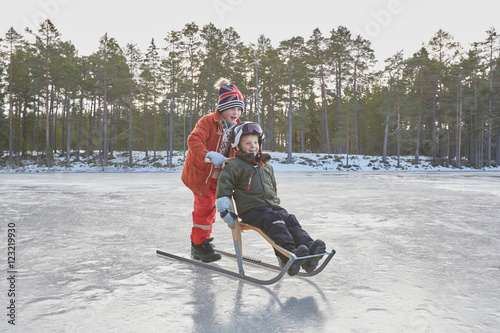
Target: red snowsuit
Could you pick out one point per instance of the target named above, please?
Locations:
(197, 175)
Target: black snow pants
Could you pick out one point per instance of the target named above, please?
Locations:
(283, 228)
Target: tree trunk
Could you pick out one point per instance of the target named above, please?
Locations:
(490, 119)
(338, 146)
(433, 128)
(324, 127)
(270, 140)
(398, 135)
(93, 114)
(63, 125)
(105, 126)
(498, 145)
(99, 130)
(53, 122)
(386, 131)
(171, 132)
(79, 135)
(113, 132)
(155, 124)
(459, 125)
(68, 132)
(356, 135)
(417, 144)
(146, 148)
(289, 150)
(11, 114)
(347, 143)
(257, 106)
(48, 150)
(130, 127)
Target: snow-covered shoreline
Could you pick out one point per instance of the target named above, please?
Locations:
(309, 162)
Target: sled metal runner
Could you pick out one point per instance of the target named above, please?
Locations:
(254, 261)
(241, 274)
(228, 272)
(240, 258)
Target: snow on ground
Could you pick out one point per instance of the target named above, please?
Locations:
(301, 162)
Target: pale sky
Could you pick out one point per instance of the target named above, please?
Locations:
(390, 25)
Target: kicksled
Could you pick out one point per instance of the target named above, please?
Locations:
(240, 258)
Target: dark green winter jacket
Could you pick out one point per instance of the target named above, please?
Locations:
(250, 182)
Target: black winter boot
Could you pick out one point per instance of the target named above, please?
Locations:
(204, 251)
(301, 251)
(316, 248)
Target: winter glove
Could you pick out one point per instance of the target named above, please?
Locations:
(215, 157)
(223, 205)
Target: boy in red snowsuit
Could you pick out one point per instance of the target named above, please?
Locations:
(209, 139)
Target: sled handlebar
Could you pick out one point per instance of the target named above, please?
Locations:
(209, 161)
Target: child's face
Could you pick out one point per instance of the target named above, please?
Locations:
(250, 143)
(231, 115)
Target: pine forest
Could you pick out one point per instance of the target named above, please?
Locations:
(322, 93)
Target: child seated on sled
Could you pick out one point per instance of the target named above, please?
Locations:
(249, 179)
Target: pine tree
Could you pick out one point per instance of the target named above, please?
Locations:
(421, 93)
(14, 40)
(291, 50)
(174, 74)
(317, 47)
(339, 53)
(394, 70)
(109, 60)
(211, 65)
(151, 87)
(363, 58)
(444, 52)
(472, 67)
(46, 42)
(133, 55)
(269, 79)
(192, 46)
(491, 49)
(66, 78)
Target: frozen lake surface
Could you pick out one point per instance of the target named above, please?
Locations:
(416, 252)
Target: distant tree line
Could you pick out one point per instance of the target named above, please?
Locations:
(320, 94)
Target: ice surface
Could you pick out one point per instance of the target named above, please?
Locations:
(416, 252)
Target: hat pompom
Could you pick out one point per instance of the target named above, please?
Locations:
(222, 82)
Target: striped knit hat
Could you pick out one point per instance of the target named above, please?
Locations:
(229, 96)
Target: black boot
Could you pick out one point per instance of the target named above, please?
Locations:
(316, 248)
(204, 251)
(301, 251)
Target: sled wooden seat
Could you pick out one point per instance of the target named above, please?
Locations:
(240, 227)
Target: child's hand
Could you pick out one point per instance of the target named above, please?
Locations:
(228, 217)
(215, 157)
(223, 205)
